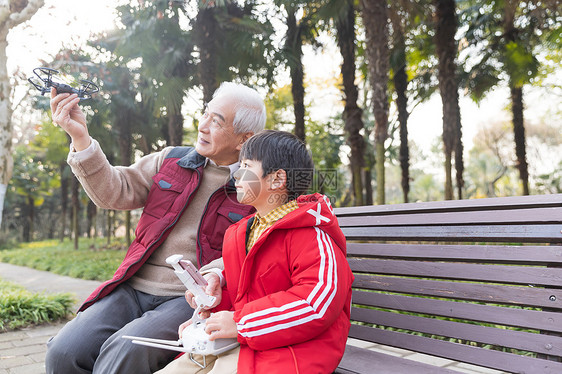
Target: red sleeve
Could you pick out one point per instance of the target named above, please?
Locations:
(321, 282)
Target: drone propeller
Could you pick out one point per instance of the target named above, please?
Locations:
(88, 89)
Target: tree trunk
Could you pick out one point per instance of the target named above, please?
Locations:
(206, 41)
(367, 174)
(510, 32)
(63, 199)
(109, 227)
(519, 135)
(375, 19)
(91, 215)
(401, 85)
(6, 159)
(351, 113)
(75, 210)
(446, 26)
(29, 218)
(293, 46)
(175, 129)
(459, 161)
(125, 143)
(11, 14)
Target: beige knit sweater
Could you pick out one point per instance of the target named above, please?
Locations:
(126, 188)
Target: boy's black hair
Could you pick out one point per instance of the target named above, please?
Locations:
(281, 150)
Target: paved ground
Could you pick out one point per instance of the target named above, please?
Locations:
(23, 351)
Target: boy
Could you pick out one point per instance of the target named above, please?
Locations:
(288, 285)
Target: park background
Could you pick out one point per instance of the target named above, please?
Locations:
(400, 101)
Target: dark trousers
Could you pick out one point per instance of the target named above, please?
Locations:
(92, 342)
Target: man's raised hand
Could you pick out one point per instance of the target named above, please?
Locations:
(67, 114)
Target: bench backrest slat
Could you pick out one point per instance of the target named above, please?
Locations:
(460, 352)
(496, 204)
(525, 341)
(541, 233)
(508, 295)
(509, 254)
(516, 317)
(462, 271)
(516, 216)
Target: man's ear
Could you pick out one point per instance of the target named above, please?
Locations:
(243, 139)
(279, 179)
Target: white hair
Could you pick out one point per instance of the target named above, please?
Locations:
(249, 108)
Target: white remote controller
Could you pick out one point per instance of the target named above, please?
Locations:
(194, 338)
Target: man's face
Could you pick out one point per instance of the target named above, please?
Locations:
(216, 138)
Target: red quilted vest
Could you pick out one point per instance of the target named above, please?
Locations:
(173, 188)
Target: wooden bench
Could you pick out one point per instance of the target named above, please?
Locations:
(473, 281)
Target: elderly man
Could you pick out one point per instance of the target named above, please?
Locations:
(188, 200)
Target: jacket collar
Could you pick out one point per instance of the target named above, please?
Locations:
(192, 160)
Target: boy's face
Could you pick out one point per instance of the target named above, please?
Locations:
(249, 182)
(253, 189)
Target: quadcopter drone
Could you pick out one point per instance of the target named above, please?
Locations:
(52, 78)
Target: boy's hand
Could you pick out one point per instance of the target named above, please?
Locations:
(213, 289)
(221, 325)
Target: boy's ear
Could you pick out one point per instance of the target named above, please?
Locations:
(243, 139)
(279, 180)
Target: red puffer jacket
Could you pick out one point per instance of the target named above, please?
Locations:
(291, 294)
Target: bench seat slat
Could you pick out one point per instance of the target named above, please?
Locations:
(524, 318)
(456, 351)
(489, 293)
(498, 203)
(509, 254)
(360, 360)
(495, 217)
(461, 271)
(521, 340)
(544, 233)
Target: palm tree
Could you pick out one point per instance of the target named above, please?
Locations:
(208, 39)
(508, 34)
(400, 80)
(375, 20)
(445, 29)
(352, 114)
(233, 43)
(153, 33)
(516, 89)
(293, 49)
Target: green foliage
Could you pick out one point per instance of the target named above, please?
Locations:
(20, 308)
(32, 178)
(550, 183)
(277, 105)
(496, 45)
(520, 63)
(61, 258)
